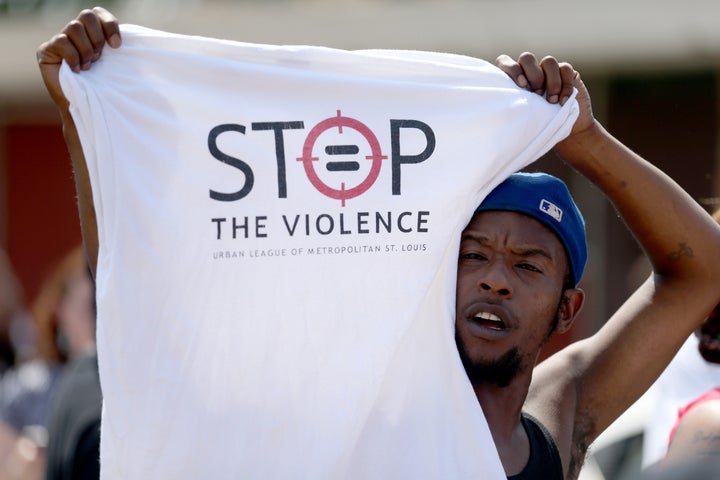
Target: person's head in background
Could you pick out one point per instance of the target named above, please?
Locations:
(709, 333)
(64, 310)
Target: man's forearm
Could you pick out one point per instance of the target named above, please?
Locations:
(86, 207)
(666, 221)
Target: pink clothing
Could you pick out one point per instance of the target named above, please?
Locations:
(713, 394)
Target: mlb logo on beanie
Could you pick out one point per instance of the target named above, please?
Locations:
(551, 209)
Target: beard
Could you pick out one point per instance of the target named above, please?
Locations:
(500, 372)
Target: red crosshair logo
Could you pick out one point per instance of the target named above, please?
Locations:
(343, 193)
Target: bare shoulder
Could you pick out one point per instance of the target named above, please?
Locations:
(553, 399)
(557, 381)
(698, 434)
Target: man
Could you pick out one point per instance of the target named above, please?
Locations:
(513, 286)
(521, 258)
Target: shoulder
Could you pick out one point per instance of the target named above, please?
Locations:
(544, 461)
(553, 394)
(538, 435)
(698, 432)
(555, 400)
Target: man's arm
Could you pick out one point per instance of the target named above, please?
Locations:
(582, 389)
(681, 241)
(80, 44)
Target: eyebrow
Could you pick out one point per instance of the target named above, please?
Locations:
(530, 252)
(474, 238)
(521, 251)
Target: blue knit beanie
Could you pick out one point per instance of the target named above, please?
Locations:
(548, 200)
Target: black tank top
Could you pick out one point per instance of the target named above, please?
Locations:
(544, 462)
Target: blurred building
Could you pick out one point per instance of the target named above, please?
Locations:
(651, 66)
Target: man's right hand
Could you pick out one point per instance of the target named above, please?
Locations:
(80, 44)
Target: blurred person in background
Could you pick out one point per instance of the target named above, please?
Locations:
(695, 436)
(693, 372)
(693, 447)
(16, 332)
(64, 321)
(18, 455)
(73, 448)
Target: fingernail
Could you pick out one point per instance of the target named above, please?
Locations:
(86, 66)
(114, 40)
(522, 81)
(553, 98)
(563, 100)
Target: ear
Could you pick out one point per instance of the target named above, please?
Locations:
(570, 307)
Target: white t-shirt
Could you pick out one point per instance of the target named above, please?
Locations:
(279, 229)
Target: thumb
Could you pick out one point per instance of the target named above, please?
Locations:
(585, 119)
(49, 64)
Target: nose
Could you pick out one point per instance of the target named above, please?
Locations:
(495, 280)
(503, 291)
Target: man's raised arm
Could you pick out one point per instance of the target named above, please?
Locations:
(578, 392)
(79, 44)
(682, 243)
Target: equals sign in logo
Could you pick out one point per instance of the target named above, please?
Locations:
(345, 165)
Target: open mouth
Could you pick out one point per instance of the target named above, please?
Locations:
(489, 320)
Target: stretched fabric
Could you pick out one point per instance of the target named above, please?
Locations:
(279, 229)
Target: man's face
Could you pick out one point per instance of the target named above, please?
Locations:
(509, 286)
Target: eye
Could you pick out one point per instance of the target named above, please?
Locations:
(529, 267)
(472, 256)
